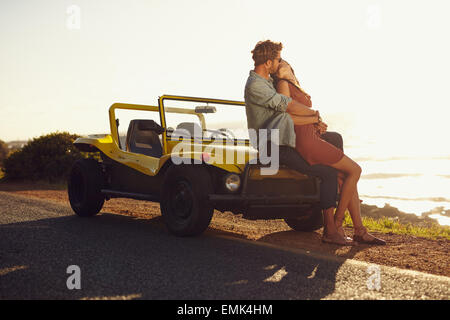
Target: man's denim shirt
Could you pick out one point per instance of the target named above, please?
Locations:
(266, 109)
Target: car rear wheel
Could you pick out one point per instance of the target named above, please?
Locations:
(309, 220)
(84, 188)
(185, 207)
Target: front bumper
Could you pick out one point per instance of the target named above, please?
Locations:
(270, 198)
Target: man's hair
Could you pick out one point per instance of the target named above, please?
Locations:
(266, 50)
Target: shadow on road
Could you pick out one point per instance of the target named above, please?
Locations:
(121, 256)
(311, 241)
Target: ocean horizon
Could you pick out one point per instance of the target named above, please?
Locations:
(413, 184)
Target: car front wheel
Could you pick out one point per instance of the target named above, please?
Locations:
(184, 200)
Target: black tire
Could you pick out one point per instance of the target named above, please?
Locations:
(308, 221)
(185, 208)
(84, 188)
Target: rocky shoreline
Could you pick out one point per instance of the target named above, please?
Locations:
(393, 213)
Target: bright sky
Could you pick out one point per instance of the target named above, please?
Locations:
(375, 69)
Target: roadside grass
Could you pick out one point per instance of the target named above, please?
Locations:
(389, 225)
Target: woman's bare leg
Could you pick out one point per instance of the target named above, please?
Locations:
(354, 207)
(328, 222)
(330, 232)
(341, 179)
(352, 171)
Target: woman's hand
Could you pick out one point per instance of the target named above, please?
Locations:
(321, 127)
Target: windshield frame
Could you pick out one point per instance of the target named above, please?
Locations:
(162, 110)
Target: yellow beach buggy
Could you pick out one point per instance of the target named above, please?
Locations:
(192, 155)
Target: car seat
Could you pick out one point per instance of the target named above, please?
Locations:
(143, 138)
(192, 128)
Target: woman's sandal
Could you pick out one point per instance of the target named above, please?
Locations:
(338, 239)
(362, 238)
(341, 231)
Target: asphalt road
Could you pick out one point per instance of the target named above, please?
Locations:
(127, 258)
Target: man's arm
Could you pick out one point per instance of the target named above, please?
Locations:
(260, 94)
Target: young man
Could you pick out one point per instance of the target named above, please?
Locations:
(267, 109)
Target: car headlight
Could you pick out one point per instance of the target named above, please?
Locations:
(232, 182)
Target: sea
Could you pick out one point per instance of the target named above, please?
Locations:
(404, 171)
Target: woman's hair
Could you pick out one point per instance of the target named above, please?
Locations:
(266, 50)
(285, 72)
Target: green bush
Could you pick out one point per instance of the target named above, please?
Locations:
(3, 152)
(47, 157)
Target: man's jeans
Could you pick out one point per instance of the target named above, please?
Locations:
(328, 175)
(334, 138)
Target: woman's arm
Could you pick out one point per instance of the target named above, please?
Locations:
(302, 120)
(298, 109)
(295, 107)
(283, 88)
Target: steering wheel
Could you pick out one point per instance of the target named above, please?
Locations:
(228, 132)
(217, 134)
(221, 133)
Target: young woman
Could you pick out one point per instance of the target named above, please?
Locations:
(315, 150)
